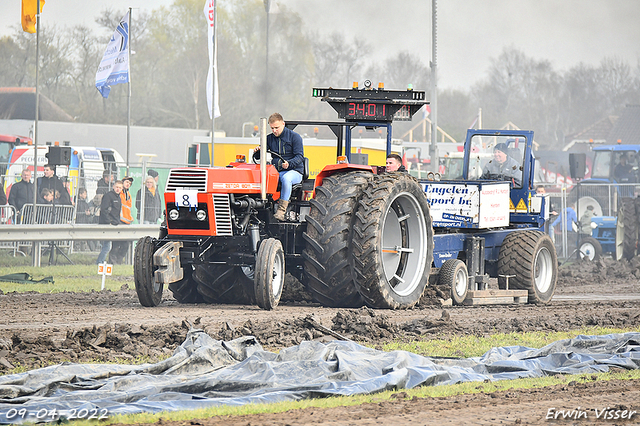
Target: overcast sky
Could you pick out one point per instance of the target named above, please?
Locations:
(470, 32)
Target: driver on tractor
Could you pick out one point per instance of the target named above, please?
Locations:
(288, 145)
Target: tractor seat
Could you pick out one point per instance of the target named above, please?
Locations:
(297, 188)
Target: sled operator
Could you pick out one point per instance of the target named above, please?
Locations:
(288, 144)
(503, 167)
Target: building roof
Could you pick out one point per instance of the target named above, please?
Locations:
(627, 128)
(20, 103)
(594, 134)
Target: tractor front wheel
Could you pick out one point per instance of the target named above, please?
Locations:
(269, 274)
(148, 290)
(590, 249)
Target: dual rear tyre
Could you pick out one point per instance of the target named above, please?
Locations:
(393, 242)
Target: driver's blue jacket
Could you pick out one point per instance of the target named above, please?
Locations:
(289, 146)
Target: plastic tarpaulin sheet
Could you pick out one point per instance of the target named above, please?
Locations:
(204, 372)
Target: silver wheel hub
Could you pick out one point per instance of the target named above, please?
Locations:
(404, 244)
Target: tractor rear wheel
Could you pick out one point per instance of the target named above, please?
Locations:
(626, 229)
(328, 237)
(186, 290)
(148, 290)
(393, 242)
(221, 284)
(269, 274)
(454, 275)
(531, 257)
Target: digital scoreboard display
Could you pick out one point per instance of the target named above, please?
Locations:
(376, 112)
(373, 105)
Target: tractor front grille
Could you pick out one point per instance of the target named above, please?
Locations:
(187, 179)
(222, 214)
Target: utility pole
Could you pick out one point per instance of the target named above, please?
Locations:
(434, 87)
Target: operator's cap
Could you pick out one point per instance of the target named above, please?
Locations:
(501, 147)
(129, 178)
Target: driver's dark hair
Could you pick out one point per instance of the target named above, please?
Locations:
(276, 116)
(395, 157)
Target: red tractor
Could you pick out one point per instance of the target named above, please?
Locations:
(354, 236)
(221, 244)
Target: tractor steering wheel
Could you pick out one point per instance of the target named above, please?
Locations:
(257, 160)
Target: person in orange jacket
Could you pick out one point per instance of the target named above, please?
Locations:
(120, 248)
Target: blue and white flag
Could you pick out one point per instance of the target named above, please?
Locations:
(114, 67)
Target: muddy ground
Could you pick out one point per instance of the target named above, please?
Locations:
(39, 329)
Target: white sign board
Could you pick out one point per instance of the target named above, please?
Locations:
(481, 205)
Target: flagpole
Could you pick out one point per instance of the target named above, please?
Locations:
(213, 82)
(35, 245)
(35, 130)
(129, 95)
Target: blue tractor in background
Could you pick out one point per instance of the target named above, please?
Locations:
(610, 193)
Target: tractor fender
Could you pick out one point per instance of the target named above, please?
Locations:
(340, 168)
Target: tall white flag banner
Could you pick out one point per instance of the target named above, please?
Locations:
(212, 76)
(114, 67)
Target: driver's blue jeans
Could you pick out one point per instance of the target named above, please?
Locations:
(288, 178)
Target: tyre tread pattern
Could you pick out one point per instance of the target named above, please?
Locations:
(143, 273)
(186, 290)
(630, 221)
(517, 257)
(221, 284)
(328, 237)
(447, 277)
(366, 252)
(265, 298)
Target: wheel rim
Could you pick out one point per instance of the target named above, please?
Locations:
(248, 271)
(460, 282)
(543, 270)
(277, 275)
(620, 235)
(404, 244)
(587, 251)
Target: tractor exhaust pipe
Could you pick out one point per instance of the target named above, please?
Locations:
(263, 158)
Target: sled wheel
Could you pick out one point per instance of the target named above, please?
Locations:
(269, 274)
(531, 257)
(590, 249)
(149, 291)
(393, 242)
(454, 275)
(328, 273)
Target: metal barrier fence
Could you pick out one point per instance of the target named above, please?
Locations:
(47, 214)
(8, 217)
(51, 215)
(602, 198)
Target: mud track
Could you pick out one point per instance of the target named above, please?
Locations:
(40, 329)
